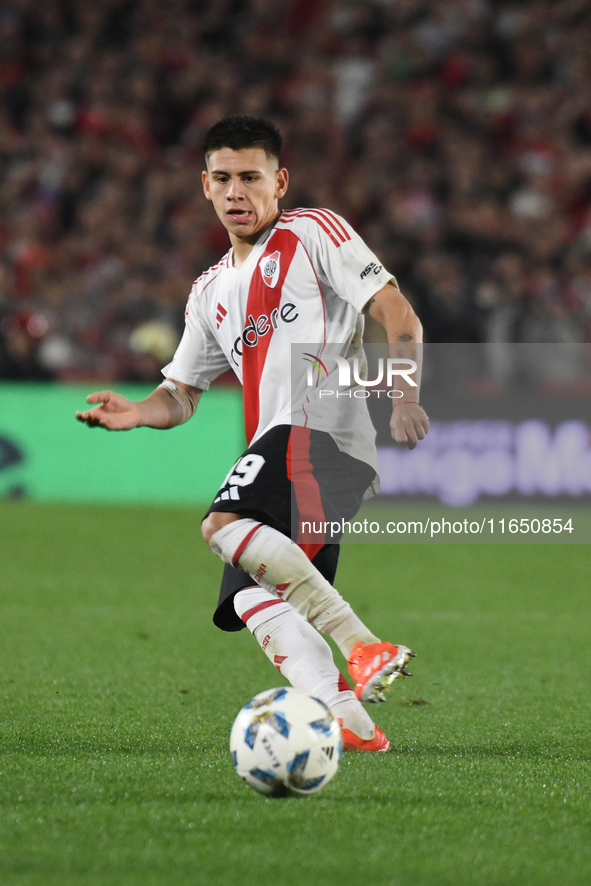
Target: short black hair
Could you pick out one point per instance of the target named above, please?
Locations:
(243, 131)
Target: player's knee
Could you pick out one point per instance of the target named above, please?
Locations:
(214, 521)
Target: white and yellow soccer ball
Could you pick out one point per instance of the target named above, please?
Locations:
(286, 742)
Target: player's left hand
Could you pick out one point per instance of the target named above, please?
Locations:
(409, 424)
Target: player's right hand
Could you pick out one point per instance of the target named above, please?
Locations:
(115, 412)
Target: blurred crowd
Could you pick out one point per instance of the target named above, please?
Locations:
(455, 135)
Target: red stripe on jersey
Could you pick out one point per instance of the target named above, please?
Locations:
(240, 549)
(336, 223)
(211, 281)
(221, 314)
(330, 220)
(320, 216)
(222, 261)
(318, 221)
(306, 490)
(263, 299)
(250, 612)
(208, 271)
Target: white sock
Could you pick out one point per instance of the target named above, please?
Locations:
(301, 655)
(281, 567)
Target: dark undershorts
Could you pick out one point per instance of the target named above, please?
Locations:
(296, 480)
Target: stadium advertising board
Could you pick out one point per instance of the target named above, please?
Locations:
(45, 455)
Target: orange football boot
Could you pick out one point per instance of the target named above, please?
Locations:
(352, 742)
(375, 666)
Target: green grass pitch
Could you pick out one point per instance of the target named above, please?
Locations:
(117, 696)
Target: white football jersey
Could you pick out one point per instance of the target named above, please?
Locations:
(305, 282)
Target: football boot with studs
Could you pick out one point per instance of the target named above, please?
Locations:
(375, 666)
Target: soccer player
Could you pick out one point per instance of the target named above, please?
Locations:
(302, 276)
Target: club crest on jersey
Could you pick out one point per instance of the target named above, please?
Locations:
(270, 266)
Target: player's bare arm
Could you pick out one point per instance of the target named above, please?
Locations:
(169, 405)
(409, 422)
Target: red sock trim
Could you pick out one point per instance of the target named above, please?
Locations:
(250, 612)
(343, 686)
(243, 544)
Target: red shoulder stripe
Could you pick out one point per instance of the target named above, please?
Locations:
(329, 217)
(318, 221)
(342, 237)
(336, 223)
(213, 268)
(211, 281)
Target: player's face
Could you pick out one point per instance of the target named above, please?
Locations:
(244, 187)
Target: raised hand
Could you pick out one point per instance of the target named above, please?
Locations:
(409, 424)
(115, 412)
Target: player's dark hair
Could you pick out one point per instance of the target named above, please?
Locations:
(243, 131)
